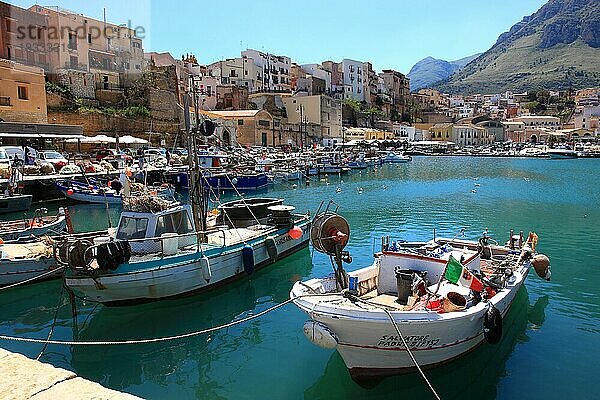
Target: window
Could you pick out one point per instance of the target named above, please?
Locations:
(264, 138)
(263, 122)
(240, 122)
(138, 66)
(132, 228)
(22, 92)
(178, 222)
(4, 101)
(89, 38)
(72, 45)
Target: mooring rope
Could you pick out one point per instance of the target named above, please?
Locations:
(160, 339)
(53, 271)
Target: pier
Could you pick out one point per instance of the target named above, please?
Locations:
(24, 378)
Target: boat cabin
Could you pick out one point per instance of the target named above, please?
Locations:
(172, 222)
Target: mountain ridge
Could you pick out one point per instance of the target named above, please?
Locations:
(430, 70)
(557, 47)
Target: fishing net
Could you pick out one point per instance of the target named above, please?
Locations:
(146, 203)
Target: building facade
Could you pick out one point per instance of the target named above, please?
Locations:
(323, 111)
(276, 75)
(22, 93)
(470, 135)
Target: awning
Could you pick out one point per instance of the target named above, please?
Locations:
(22, 135)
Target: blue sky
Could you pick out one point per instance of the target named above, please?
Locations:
(390, 34)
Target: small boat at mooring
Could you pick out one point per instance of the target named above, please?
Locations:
(15, 203)
(39, 225)
(434, 300)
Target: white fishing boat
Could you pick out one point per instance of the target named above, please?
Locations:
(561, 153)
(96, 193)
(39, 225)
(407, 299)
(23, 261)
(158, 254)
(393, 158)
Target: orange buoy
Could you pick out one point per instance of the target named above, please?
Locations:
(296, 232)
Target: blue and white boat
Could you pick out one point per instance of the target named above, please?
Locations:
(394, 158)
(159, 254)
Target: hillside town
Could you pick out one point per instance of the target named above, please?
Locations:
(92, 77)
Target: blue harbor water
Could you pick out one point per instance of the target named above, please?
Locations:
(551, 340)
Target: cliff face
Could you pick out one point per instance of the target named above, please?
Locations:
(557, 47)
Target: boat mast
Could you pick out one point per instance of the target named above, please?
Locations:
(196, 188)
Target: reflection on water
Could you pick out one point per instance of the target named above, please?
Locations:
(554, 340)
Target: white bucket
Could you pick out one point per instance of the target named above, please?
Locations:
(101, 239)
(170, 242)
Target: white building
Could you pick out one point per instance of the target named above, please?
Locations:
(539, 121)
(404, 132)
(586, 117)
(318, 71)
(456, 102)
(275, 69)
(352, 78)
(238, 71)
(470, 135)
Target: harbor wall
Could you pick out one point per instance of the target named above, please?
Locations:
(23, 378)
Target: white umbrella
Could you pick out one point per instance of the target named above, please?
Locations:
(94, 139)
(128, 139)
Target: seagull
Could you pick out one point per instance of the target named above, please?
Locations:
(474, 191)
(339, 189)
(294, 186)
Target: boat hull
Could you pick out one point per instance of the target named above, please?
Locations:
(16, 203)
(371, 347)
(27, 231)
(183, 275)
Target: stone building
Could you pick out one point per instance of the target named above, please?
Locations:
(22, 93)
(252, 127)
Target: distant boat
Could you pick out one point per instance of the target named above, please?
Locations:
(38, 225)
(15, 203)
(559, 154)
(392, 157)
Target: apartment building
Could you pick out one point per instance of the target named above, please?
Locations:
(275, 70)
(112, 53)
(22, 93)
(397, 87)
(23, 37)
(352, 79)
(539, 121)
(470, 135)
(321, 110)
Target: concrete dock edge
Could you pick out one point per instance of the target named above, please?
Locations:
(24, 378)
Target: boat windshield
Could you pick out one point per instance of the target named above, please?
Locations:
(178, 222)
(132, 228)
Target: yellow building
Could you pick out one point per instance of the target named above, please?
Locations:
(441, 132)
(22, 93)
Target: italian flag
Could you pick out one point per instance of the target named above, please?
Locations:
(457, 273)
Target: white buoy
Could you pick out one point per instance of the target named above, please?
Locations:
(320, 335)
(339, 189)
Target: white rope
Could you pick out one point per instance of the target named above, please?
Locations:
(160, 339)
(32, 279)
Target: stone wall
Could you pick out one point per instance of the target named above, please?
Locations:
(80, 83)
(95, 123)
(22, 116)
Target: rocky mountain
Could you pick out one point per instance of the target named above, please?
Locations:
(557, 47)
(431, 70)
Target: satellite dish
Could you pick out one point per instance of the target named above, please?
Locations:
(329, 230)
(207, 128)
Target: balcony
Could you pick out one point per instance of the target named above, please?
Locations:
(76, 66)
(109, 86)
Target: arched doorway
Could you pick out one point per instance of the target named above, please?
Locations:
(533, 139)
(226, 138)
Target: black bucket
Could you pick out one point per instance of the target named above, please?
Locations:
(404, 280)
